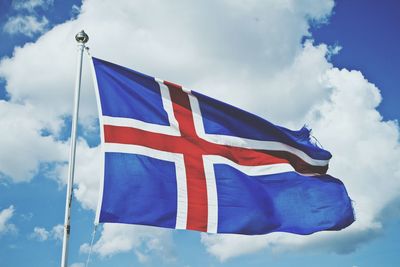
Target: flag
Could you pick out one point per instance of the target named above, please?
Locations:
(178, 159)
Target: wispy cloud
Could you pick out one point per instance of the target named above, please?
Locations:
(26, 25)
(41, 234)
(27, 21)
(5, 217)
(31, 5)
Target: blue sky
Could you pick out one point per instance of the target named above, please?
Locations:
(267, 47)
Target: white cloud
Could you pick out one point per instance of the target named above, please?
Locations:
(298, 86)
(57, 232)
(227, 246)
(5, 217)
(26, 25)
(31, 5)
(87, 175)
(23, 146)
(75, 10)
(77, 264)
(246, 53)
(41, 234)
(27, 22)
(143, 240)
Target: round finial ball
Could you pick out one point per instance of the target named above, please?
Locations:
(82, 37)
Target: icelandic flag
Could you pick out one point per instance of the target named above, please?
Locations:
(178, 159)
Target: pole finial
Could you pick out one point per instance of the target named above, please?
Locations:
(81, 37)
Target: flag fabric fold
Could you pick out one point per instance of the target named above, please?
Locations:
(178, 159)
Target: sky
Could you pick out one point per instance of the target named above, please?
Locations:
(332, 65)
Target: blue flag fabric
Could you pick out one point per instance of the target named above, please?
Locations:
(178, 159)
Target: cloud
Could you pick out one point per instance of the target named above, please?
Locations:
(298, 86)
(143, 240)
(57, 232)
(26, 25)
(249, 54)
(31, 5)
(27, 22)
(5, 217)
(24, 148)
(75, 10)
(77, 264)
(228, 246)
(87, 175)
(41, 234)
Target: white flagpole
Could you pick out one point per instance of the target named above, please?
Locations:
(82, 39)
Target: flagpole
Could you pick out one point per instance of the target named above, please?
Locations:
(82, 39)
